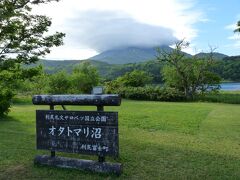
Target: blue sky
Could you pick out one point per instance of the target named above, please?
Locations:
(94, 26)
(219, 14)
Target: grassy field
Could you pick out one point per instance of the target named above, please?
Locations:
(158, 140)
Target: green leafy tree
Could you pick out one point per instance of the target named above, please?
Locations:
(23, 40)
(130, 80)
(59, 83)
(84, 78)
(189, 75)
(37, 85)
(40, 84)
(5, 96)
(135, 78)
(33, 84)
(238, 27)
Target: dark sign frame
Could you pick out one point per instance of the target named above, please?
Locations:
(85, 132)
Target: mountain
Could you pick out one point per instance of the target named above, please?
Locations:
(217, 56)
(232, 58)
(129, 55)
(228, 68)
(53, 66)
(106, 71)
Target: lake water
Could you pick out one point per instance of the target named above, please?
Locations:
(230, 86)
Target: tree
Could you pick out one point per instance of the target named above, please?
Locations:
(189, 75)
(135, 78)
(238, 27)
(38, 84)
(31, 85)
(84, 78)
(59, 83)
(22, 40)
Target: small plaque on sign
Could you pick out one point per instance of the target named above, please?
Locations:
(87, 132)
(97, 90)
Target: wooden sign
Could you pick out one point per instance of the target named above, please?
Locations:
(87, 132)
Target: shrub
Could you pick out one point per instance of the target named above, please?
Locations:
(135, 78)
(6, 96)
(150, 93)
(222, 97)
(84, 78)
(59, 83)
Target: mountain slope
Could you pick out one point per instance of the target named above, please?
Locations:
(228, 68)
(53, 66)
(217, 56)
(128, 55)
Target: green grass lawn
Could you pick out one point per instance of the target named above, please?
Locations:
(158, 140)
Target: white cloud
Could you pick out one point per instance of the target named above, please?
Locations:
(105, 30)
(235, 38)
(70, 53)
(192, 49)
(231, 26)
(236, 43)
(176, 16)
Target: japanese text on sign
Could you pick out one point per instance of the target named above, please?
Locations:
(76, 117)
(88, 132)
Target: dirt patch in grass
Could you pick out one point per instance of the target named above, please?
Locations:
(20, 170)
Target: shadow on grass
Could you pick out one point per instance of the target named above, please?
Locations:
(6, 118)
(21, 100)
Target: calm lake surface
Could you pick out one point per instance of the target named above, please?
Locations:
(230, 86)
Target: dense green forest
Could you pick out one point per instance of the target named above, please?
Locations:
(228, 68)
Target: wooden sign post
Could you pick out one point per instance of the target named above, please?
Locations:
(84, 132)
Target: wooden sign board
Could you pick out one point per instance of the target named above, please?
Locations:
(86, 132)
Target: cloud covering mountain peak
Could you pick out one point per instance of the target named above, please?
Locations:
(105, 30)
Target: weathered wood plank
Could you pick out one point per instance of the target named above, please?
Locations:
(89, 165)
(94, 100)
